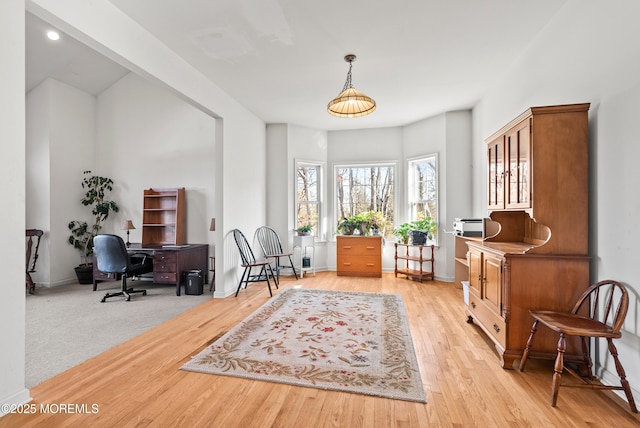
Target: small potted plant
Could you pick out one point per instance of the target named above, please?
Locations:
(423, 229)
(376, 222)
(362, 223)
(346, 226)
(403, 232)
(82, 232)
(304, 230)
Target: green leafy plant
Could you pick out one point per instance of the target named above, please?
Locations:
(376, 221)
(304, 229)
(82, 233)
(426, 225)
(364, 222)
(403, 231)
(346, 226)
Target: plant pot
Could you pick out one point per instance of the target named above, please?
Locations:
(84, 274)
(304, 233)
(347, 230)
(418, 237)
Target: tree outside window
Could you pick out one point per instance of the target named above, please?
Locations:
(362, 189)
(307, 192)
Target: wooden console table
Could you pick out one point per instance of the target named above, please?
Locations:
(169, 263)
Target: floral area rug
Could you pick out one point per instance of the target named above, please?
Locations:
(338, 340)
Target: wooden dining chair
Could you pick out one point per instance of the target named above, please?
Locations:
(272, 248)
(599, 313)
(252, 265)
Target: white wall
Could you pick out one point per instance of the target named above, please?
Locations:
(287, 144)
(38, 184)
(239, 162)
(60, 146)
(587, 53)
(146, 137)
(449, 136)
(278, 183)
(12, 194)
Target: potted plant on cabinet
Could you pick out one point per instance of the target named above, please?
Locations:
(376, 222)
(82, 232)
(346, 226)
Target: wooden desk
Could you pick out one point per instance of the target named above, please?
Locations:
(169, 263)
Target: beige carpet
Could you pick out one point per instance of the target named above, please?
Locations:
(67, 325)
(338, 340)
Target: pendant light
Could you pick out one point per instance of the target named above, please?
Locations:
(351, 102)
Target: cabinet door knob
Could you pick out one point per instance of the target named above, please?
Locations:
(496, 328)
(473, 305)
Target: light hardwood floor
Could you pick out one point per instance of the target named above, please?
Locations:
(138, 383)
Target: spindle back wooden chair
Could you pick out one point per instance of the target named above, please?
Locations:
(599, 313)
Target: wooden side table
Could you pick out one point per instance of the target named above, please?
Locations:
(416, 268)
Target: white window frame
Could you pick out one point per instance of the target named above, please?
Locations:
(334, 196)
(318, 231)
(411, 190)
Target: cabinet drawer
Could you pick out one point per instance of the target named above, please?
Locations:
(164, 277)
(492, 323)
(347, 249)
(359, 264)
(165, 257)
(164, 267)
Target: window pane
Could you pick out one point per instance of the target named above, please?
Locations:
(307, 193)
(423, 188)
(363, 189)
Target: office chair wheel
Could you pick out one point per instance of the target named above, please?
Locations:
(144, 293)
(128, 298)
(104, 299)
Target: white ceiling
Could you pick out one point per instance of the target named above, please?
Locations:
(283, 59)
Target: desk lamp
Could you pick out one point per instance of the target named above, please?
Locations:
(128, 225)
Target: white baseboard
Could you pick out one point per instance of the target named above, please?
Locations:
(14, 401)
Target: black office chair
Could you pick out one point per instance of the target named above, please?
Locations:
(272, 248)
(249, 262)
(112, 257)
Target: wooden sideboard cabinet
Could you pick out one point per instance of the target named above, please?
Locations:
(538, 256)
(414, 261)
(359, 255)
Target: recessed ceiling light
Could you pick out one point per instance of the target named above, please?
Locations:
(53, 35)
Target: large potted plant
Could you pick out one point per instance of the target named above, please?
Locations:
(82, 233)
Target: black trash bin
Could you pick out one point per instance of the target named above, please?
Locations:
(193, 280)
